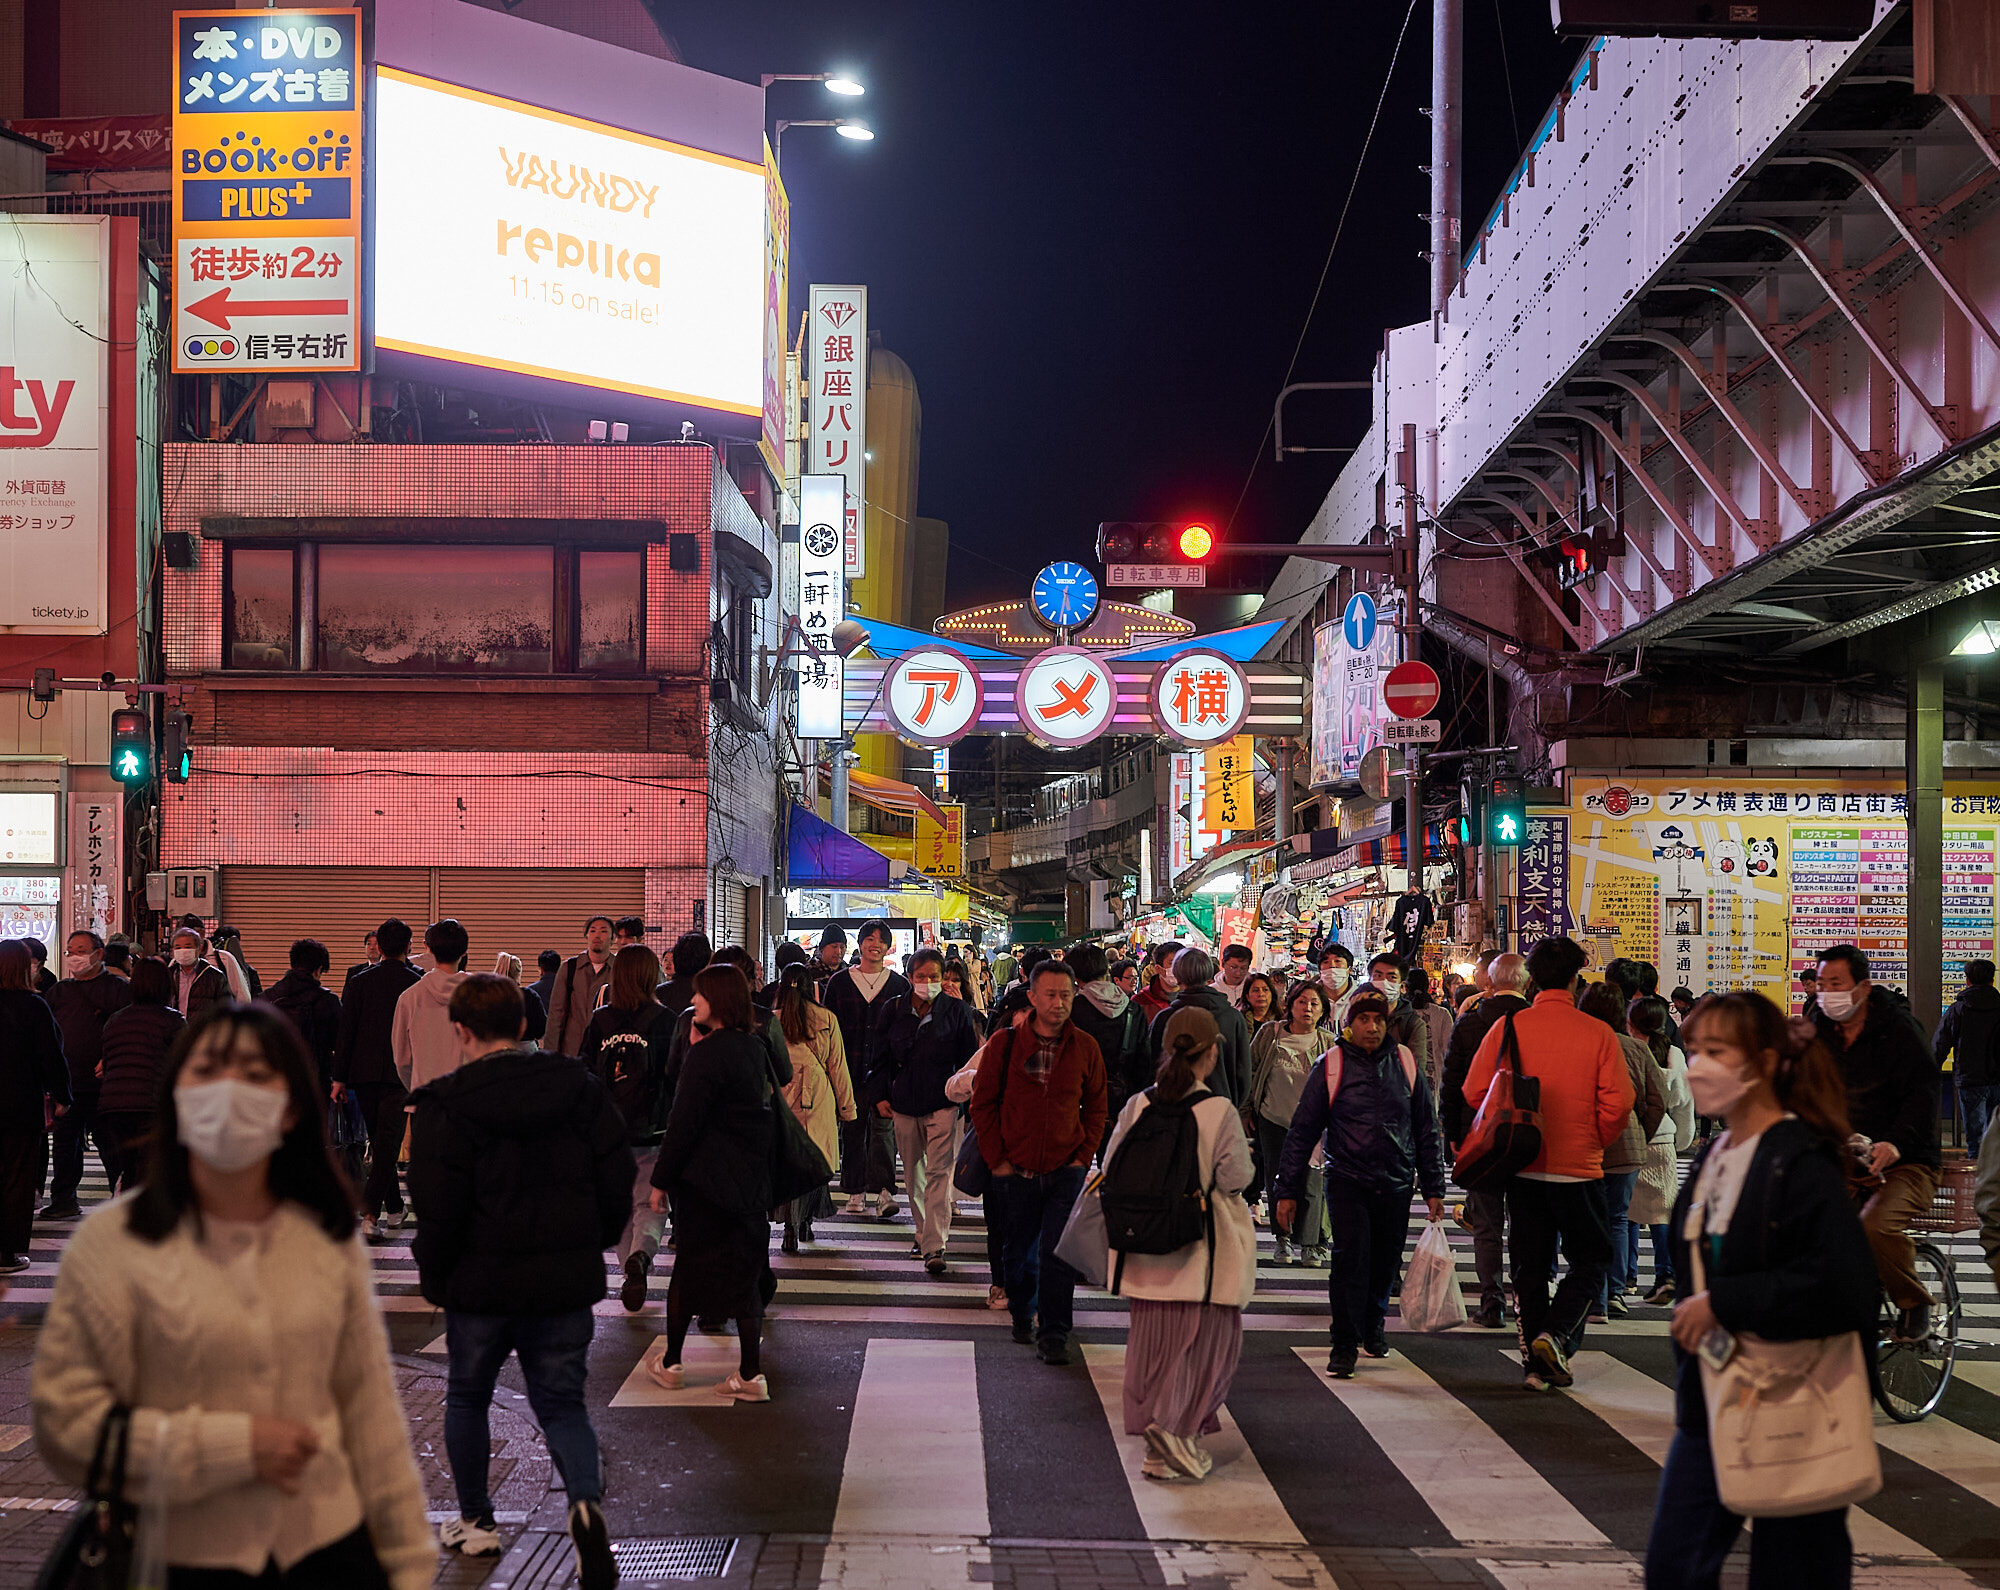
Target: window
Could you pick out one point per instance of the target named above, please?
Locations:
(261, 624)
(437, 609)
(739, 634)
(610, 597)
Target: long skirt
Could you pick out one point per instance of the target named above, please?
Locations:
(720, 1258)
(1179, 1361)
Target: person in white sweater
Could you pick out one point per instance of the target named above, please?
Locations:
(227, 1303)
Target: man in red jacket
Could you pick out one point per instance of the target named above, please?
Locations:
(1559, 1199)
(1038, 1109)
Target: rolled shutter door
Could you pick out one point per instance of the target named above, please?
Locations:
(274, 906)
(524, 910)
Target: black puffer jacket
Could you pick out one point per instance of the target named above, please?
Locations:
(860, 1018)
(1795, 1261)
(1231, 1076)
(718, 1138)
(1891, 1077)
(521, 1177)
(81, 1006)
(31, 1060)
(915, 1056)
(1380, 1132)
(1970, 1029)
(136, 1041)
(314, 1011)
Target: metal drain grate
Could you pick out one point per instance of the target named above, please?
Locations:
(699, 1557)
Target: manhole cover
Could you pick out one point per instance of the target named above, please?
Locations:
(705, 1557)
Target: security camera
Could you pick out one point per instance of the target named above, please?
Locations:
(687, 430)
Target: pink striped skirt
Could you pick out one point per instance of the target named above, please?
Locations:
(1179, 1361)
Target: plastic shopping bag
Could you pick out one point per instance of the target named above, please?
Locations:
(1431, 1298)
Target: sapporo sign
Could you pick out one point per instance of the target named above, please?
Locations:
(267, 157)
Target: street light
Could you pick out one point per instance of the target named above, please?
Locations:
(1982, 640)
(846, 126)
(844, 85)
(836, 82)
(860, 131)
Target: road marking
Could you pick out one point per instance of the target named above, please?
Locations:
(1960, 1455)
(706, 1359)
(1235, 1503)
(12, 1435)
(916, 1461)
(1483, 1492)
(1619, 1574)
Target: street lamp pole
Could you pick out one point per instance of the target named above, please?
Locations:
(846, 126)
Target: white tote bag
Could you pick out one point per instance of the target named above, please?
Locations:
(1791, 1429)
(1431, 1300)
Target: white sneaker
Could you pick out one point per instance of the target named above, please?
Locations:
(472, 1537)
(857, 1205)
(755, 1389)
(669, 1377)
(1159, 1469)
(372, 1232)
(885, 1206)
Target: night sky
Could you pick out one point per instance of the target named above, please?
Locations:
(1093, 231)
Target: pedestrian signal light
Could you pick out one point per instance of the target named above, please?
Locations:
(178, 760)
(1507, 813)
(131, 747)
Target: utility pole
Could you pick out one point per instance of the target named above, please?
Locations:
(1411, 625)
(1489, 855)
(1447, 116)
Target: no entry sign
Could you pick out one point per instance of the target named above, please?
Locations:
(1411, 689)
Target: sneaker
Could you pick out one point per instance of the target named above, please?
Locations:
(1597, 1316)
(885, 1207)
(1533, 1382)
(996, 1298)
(1281, 1251)
(1618, 1308)
(668, 1377)
(1024, 1333)
(396, 1219)
(1298, 1257)
(934, 1264)
(1377, 1343)
(373, 1234)
(1157, 1468)
(916, 1250)
(1054, 1351)
(61, 1212)
(756, 1389)
(856, 1205)
(1551, 1360)
(1490, 1316)
(472, 1537)
(1913, 1324)
(632, 1292)
(1662, 1296)
(1315, 1259)
(596, 1568)
(1341, 1361)
(1179, 1453)
(12, 1263)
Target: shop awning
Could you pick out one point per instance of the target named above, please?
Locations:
(886, 794)
(820, 856)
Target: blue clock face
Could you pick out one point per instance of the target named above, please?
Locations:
(1065, 596)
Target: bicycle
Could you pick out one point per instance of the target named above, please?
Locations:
(1909, 1377)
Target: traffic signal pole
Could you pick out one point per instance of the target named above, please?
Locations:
(1405, 566)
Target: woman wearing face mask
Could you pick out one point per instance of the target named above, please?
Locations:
(1784, 1258)
(227, 1304)
(199, 985)
(1282, 1056)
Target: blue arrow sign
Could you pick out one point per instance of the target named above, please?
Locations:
(1358, 622)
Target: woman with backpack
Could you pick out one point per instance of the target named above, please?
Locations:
(821, 1093)
(1365, 1101)
(1282, 1056)
(1187, 1306)
(626, 1044)
(1768, 1251)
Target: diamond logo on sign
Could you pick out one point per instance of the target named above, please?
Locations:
(933, 695)
(1200, 697)
(1358, 622)
(1066, 696)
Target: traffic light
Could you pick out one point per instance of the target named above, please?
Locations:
(178, 760)
(1155, 542)
(131, 747)
(1507, 813)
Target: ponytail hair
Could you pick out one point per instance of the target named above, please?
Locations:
(1787, 1053)
(1175, 1079)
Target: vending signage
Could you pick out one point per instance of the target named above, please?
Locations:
(267, 163)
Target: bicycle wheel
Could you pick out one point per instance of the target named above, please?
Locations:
(1909, 1377)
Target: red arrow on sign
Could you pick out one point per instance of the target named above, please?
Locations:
(1411, 689)
(216, 307)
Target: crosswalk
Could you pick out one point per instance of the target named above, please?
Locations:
(903, 1409)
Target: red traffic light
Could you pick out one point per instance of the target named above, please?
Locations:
(1153, 542)
(1196, 542)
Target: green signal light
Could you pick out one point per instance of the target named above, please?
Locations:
(1509, 830)
(128, 765)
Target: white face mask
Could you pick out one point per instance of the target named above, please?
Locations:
(77, 965)
(1335, 977)
(231, 1125)
(1715, 1087)
(1392, 988)
(927, 990)
(1838, 1003)
(185, 954)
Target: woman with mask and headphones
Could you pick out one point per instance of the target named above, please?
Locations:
(224, 1314)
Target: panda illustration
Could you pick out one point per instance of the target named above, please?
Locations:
(1727, 860)
(1762, 857)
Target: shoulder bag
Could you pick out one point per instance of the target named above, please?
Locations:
(797, 1165)
(1505, 1137)
(971, 1174)
(96, 1551)
(1791, 1429)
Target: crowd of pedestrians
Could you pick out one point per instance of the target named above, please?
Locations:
(620, 1104)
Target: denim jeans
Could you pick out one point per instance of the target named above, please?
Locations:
(1618, 1185)
(1033, 1211)
(1978, 1100)
(552, 1349)
(1692, 1533)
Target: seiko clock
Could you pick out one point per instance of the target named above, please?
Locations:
(1065, 596)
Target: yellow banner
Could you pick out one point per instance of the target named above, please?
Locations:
(939, 848)
(1229, 799)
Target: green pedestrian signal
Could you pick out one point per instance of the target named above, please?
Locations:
(1507, 813)
(131, 747)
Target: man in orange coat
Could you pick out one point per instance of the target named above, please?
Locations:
(1559, 1199)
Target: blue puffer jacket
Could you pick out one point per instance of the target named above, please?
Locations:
(1380, 1133)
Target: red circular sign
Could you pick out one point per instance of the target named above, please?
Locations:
(1411, 689)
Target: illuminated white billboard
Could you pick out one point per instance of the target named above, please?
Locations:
(525, 240)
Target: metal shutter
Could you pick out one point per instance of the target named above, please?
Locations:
(272, 906)
(725, 919)
(525, 910)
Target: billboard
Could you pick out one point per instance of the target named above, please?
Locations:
(822, 605)
(525, 240)
(267, 138)
(55, 411)
(837, 422)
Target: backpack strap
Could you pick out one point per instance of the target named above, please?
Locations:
(1409, 1065)
(1334, 1066)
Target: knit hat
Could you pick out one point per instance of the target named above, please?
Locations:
(1194, 1024)
(833, 933)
